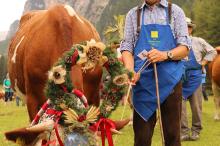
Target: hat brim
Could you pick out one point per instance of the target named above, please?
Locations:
(192, 25)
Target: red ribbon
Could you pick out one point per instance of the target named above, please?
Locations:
(56, 129)
(48, 143)
(58, 115)
(64, 88)
(77, 92)
(74, 57)
(104, 125)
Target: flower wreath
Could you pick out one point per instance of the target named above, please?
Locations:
(77, 115)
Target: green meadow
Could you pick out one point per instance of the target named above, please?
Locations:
(12, 117)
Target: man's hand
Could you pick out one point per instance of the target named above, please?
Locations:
(155, 55)
(135, 78)
(204, 62)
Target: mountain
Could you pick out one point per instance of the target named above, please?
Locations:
(3, 35)
(99, 12)
(12, 29)
(4, 46)
(91, 9)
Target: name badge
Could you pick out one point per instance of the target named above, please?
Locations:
(154, 34)
(143, 55)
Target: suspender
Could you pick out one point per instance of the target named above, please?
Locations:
(138, 19)
(169, 11)
(139, 16)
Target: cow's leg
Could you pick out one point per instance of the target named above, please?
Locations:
(35, 96)
(35, 80)
(32, 106)
(216, 92)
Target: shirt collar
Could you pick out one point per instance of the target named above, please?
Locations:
(163, 3)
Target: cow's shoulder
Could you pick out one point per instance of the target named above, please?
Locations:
(28, 16)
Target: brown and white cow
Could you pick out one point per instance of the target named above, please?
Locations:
(214, 71)
(43, 36)
(41, 39)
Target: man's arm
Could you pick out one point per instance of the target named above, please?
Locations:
(210, 52)
(128, 60)
(179, 53)
(127, 44)
(129, 64)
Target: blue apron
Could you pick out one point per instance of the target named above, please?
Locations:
(169, 72)
(192, 78)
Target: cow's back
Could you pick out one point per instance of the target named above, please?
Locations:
(16, 52)
(43, 36)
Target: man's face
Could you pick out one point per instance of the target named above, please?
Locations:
(190, 29)
(151, 2)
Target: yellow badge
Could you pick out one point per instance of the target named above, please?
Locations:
(154, 34)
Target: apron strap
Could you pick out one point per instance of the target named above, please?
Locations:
(170, 11)
(138, 20)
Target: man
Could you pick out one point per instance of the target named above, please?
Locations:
(200, 54)
(204, 85)
(162, 39)
(8, 90)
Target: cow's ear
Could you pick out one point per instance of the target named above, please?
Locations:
(22, 136)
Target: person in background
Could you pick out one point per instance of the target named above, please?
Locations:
(199, 56)
(7, 88)
(204, 84)
(17, 99)
(156, 32)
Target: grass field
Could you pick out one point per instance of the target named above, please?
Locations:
(12, 117)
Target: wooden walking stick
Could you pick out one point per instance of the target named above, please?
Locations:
(158, 104)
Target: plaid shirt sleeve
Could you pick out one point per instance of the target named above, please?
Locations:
(180, 27)
(209, 51)
(127, 43)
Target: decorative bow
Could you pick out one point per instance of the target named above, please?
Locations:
(106, 126)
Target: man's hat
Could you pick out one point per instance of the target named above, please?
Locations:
(190, 23)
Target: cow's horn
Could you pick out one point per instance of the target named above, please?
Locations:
(41, 127)
(114, 131)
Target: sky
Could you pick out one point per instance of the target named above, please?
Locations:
(10, 10)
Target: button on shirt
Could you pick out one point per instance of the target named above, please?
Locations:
(155, 15)
(202, 50)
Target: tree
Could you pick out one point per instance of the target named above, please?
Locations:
(207, 18)
(115, 33)
(3, 68)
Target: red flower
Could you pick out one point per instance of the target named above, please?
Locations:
(82, 118)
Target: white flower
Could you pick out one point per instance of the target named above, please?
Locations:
(57, 74)
(79, 103)
(120, 79)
